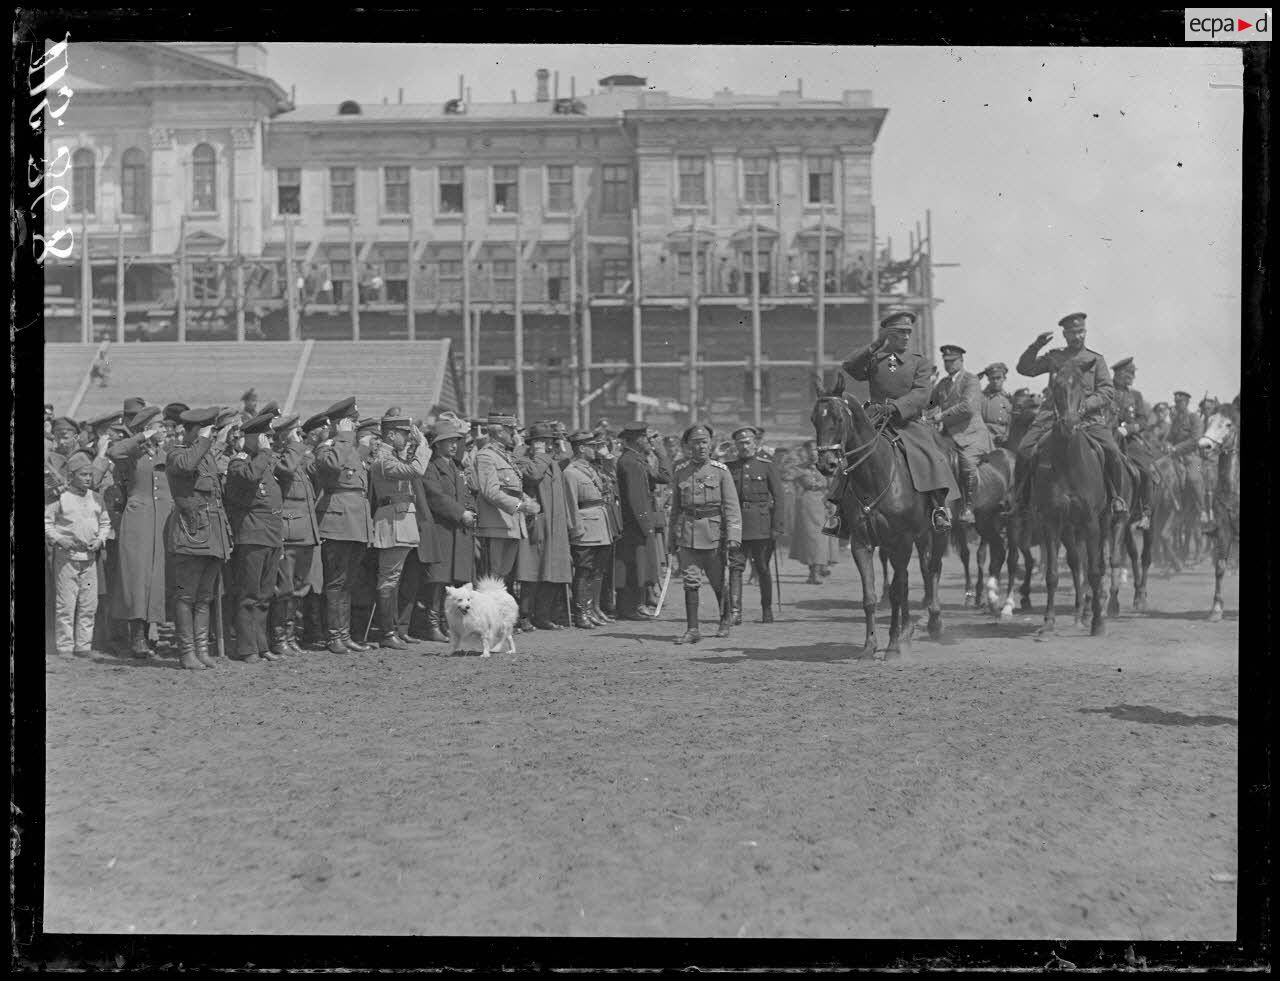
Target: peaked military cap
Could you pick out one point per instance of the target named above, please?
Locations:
(696, 429)
(396, 422)
(501, 419)
(1122, 364)
(1185, 395)
(228, 415)
(132, 405)
(900, 320)
(144, 416)
(200, 417)
(542, 430)
(284, 423)
(65, 424)
(587, 437)
(343, 409)
(258, 424)
(271, 409)
(952, 350)
(999, 366)
(756, 433)
(175, 409)
(632, 429)
(104, 418)
(78, 460)
(1072, 320)
(48, 408)
(315, 422)
(369, 424)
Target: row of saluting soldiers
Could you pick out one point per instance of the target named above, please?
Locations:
(169, 509)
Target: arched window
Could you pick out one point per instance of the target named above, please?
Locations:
(133, 182)
(82, 181)
(204, 178)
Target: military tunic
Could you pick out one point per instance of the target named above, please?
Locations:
(299, 562)
(997, 413)
(1185, 430)
(342, 510)
(706, 516)
(959, 397)
(1129, 413)
(500, 522)
(256, 507)
(1097, 385)
(762, 502)
(199, 535)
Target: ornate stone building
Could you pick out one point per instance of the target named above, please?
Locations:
(586, 230)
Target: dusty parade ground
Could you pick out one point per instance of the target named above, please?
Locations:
(611, 783)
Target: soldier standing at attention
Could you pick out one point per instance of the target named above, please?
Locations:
(402, 455)
(760, 497)
(301, 534)
(502, 505)
(636, 562)
(1097, 403)
(957, 402)
(345, 524)
(997, 407)
(255, 505)
(590, 534)
(707, 524)
(199, 538)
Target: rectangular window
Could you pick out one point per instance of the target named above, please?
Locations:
(504, 391)
(289, 191)
(396, 185)
(557, 280)
(615, 190)
(683, 263)
(342, 190)
(765, 259)
(755, 180)
(693, 179)
(505, 186)
(559, 384)
(204, 282)
(560, 189)
(616, 276)
(395, 274)
(451, 180)
(503, 272)
(748, 394)
(821, 180)
(450, 268)
(340, 277)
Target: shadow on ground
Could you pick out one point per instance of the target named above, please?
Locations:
(1159, 717)
(816, 653)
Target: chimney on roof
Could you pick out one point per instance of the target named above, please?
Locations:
(573, 86)
(555, 86)
(800, 87)
(400, 98)
(543, 95)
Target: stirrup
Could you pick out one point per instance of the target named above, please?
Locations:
(941, 520)
(1119, 505)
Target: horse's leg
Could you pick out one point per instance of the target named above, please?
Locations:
(1011, 558)
(979, 565)
(1071, 545)
(886, 580)
(991, 588)
(1095, 542)
(1028, 569)
(961, 541)
(1117, 535)
(1220, 551)
(867, 571)
(898, 613)
(1049, 559)
(931, 573)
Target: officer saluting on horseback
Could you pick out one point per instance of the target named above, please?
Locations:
(900, 390)
(1099, 393)
(1130, 413)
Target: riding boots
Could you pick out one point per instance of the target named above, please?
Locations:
(691, 634)
(582, 602)
(184, 625)
(970, 492)
(724, 604)
(200, 631)
(138, 645)
(387, 622)
(735, 596)
(434, 613)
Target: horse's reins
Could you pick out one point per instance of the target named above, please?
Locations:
(865, 449)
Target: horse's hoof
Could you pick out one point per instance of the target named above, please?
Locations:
(935, 627)
(1113, 607)
(1006, 614)
(1099, 628)
(1140, 603)
(1215, 615)
(892, 654)
(1025, 605)
(867, 652)
(1045, 630)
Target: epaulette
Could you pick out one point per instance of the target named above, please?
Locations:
(717, 463)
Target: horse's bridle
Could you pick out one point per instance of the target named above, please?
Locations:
(863, 452)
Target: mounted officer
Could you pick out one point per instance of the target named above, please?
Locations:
(1097, 403)
(957, 405)
(1130, 417)
(900, 389)
(1185, 430)
(997, 407)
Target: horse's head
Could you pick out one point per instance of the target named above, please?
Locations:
(832, 418)
(1221, 429)
(1067, 391)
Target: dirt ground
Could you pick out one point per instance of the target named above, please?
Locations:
(611, 783)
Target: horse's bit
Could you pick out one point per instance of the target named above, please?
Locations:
(863, 453)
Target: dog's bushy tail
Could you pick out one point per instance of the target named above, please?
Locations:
(491, 584)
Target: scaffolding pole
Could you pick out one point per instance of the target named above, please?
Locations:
(693, 318)
(239, 261)
(119, 282)
(86, 285)
(928, 282)
(409, 267)
(468, 372)
(586, 311)
(181, 284)
(756, 407)
(637, 341)
(519, 326)
(575, 357)
(820, 341)
(290, 278)
(355, 283)
(875, 278)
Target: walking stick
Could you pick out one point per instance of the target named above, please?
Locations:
(777, 580)
(372, 608)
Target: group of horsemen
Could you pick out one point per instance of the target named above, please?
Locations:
(957, 414)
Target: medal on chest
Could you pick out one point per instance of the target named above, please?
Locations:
(892, 362)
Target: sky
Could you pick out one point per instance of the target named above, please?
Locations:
(1099, 180)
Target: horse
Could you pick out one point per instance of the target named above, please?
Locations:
(990, 504)
(1221, 446)
(1021, 530)
(1069, 494)
(883, 509)
(1122, 543)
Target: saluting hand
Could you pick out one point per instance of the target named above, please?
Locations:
(347, 425)
(1044, 338)
(205, 432)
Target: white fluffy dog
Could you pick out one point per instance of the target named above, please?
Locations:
(485, 612)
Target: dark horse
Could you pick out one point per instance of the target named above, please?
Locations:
(1069, 494)
(1221, 446)
(1122, 542)
(883, 509)
(995, 481)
